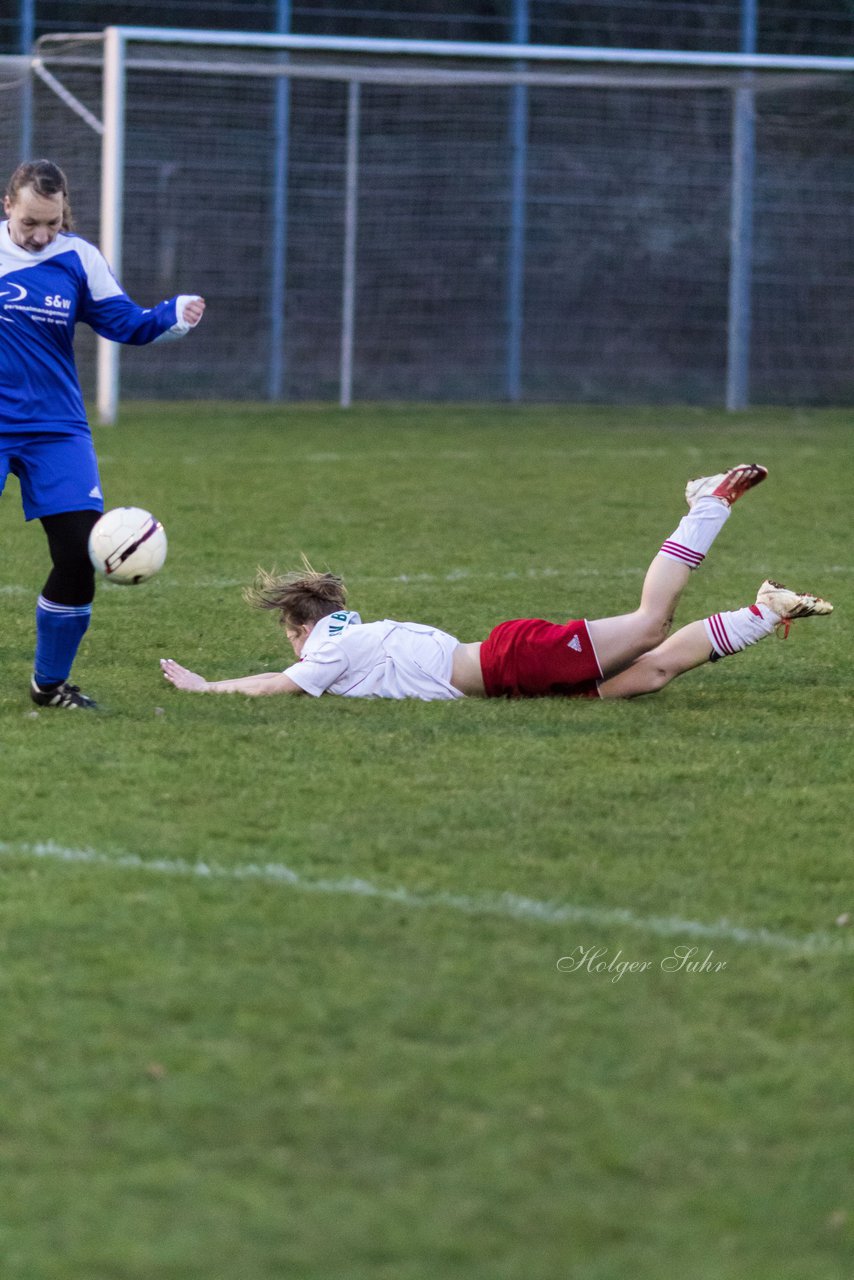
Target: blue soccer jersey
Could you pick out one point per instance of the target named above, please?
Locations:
(42, 297)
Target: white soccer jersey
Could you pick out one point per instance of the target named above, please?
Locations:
(376, 660)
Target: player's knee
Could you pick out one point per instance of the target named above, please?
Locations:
(70, 586)
(71, 558)
(68, 541)
(72, 577)
(659, 675)
(655, 630)
(654, 672)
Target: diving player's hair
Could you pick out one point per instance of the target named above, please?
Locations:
(46, 179)
(303, 595)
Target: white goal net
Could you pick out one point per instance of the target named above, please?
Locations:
(371, 220)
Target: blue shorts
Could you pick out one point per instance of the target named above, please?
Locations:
(57, 472)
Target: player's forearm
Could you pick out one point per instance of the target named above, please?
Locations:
(268, 682)
(252, 686)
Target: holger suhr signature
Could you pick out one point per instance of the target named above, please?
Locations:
(595, 960)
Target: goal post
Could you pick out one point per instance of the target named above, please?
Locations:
(112, 207)
(437, 220)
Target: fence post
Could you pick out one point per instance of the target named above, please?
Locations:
(518, 180)
(112, 207)
(351, 227)
(27, 28)
(278, 263)
(741, 224)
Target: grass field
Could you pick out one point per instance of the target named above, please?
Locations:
(280, 978)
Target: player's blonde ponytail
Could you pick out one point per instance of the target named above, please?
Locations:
(301, 596)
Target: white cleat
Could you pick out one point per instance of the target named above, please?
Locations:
(791, 604)
(727, 485)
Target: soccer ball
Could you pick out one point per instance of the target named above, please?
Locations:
(127, 545)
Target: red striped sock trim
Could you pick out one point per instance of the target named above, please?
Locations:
(720, 638)
(676, 551)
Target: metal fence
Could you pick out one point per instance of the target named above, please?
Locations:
(780, 26)
(378, 220)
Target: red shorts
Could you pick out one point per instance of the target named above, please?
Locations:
(530, 658)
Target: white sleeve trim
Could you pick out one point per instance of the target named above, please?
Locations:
(182, 326)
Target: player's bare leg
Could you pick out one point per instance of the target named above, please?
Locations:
(712, 638)
(619, 641)
(688, 648)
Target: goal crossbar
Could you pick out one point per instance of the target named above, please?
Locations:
(343, 45)
(430, 76)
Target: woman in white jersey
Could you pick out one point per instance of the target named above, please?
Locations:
(619, 657)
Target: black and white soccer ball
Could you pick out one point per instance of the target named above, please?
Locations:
(127, 545)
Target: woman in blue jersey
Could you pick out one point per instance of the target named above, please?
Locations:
(50, 279)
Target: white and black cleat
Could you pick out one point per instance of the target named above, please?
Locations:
(66, 696)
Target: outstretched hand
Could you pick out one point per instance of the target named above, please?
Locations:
(194, 309)
(181, 677)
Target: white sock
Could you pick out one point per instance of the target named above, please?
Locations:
(696, 532)
(730, 632)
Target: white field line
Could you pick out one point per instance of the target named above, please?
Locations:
(508, 905)
(459, 455)
(455, 575)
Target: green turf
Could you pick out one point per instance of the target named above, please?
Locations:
(223, 1076)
